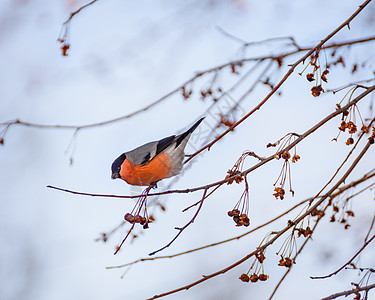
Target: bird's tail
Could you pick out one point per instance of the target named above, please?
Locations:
(192, 128)
(187, 132)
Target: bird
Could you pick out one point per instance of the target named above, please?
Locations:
(154, 161)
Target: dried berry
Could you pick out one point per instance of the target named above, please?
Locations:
(286, 155)
(263, 277)
(317, 212)
(254, 278)
(236, 212)
(352, 127)
(129, 217)
(350, 141)
(279, 193)
(343, 126)
(238, 178)
(244, 278)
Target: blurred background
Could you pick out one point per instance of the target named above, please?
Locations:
(123, 56)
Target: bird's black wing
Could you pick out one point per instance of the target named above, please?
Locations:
(164, 144)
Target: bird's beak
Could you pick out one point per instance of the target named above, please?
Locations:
(116, 175)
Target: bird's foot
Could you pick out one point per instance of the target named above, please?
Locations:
(153, 185)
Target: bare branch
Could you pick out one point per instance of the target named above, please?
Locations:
(166, 96)
(264, 161)
(291, 70)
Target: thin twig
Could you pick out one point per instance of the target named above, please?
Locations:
(371, 226)
(346, 293)
(367, 176)
(295, 256)
(217, 243)
(78, 11)
(341, 190)
(347, 263)
(291, 70)
(276, 236)
(180, 230)
(247, 44)
(193, 78)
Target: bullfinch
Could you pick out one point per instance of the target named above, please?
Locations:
(154, 161)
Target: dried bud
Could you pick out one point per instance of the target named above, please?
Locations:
(365, 129)
(324, 78)
(310, 77)
(295, 158)
(307, 232)
(316, 90)
(64, 48)
(354, 69)
(260, 256)
(279, 61)
(288, 262)
(281, 262)
(271, 145)
(350, 213)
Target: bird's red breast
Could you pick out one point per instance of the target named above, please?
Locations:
(157, 169)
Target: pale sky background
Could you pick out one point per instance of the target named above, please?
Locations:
(124, 55)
